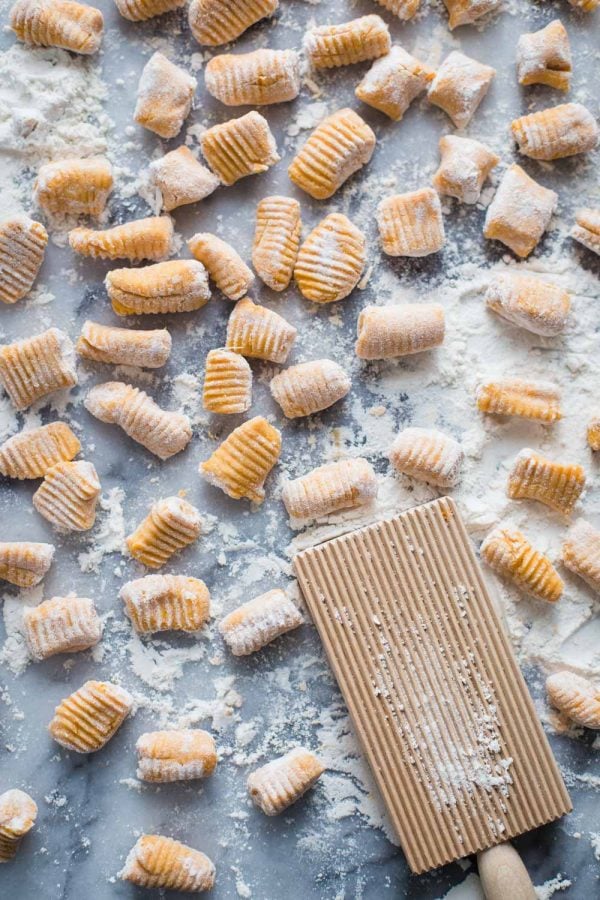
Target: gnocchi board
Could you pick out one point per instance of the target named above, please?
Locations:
(435, 694)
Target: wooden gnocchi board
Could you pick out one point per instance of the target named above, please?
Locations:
(435, 694)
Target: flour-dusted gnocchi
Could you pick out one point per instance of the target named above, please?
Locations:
(538, 400)
(467, 12)
(180, 285)
(31, 453)
(175, 755)
(557, 485)
(18, 813)
(259, 332)
(385, 332)
(309, 387)
(215, 22)
(278, 784)
(25, 563)
(124, 346)
(464, 166)
(255, 624)
(160, 431)
(68, 496)
(344, 484)
(411, 224)
(330, 46)
(576, 697)
(459, 86)
(227, 383)
(585, 5)
(37, 366)
(164, 98)
(58, 23)
(88, 718)
(524, 300)
(331, 260)
(587, 229)
(240, 465)
(240, 147)
(556, 132)
(544, 57)
(593, 433)
(171, 525)
(223, 263)
(141, 10)
(393, 82)
(166, 603)
(74, 187)
(581, 552)
(508, 552)
(404, 9)
(276, 240)
(341, 145)
(520, 212)
(180, 179)
(22, 249)
(61, 625)
(427, 455)
(160, 862)
(254, 79)
(150, 238)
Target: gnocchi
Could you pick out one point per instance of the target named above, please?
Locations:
(459, 86)
(227, 383)
(175, 755)
(509, 553)
(278, 784)
(411, 224)
(344, 484)
(87, 719)
(166, 603)
(215, 22)
(22, 249)
(180, 285)
(74, 187)
(171, 525)
(520, 212)
(524, 300)
(259, 332)
(557, 132)
(593, 433)
(576, 697)
(160, 862)
(37, 366)
(31, 453)
(223, 264)
(68, 496)
(331, 260)
(58, 23)
(142, 10)
(581, 553)
(180, 179)
(18, 813)
(150, 238)
(386, 332)
(124, 346)
(427, 455)
(393, 82)
(330, 46)
(538, 400)
(557, 485)
(25, 563)
(587, 229)
(164, 98)
(544, 57)
(240, 465)
(240, 147)
(254, 79)
(276, 240)
(464, 166)
(467, 12)
(404, 9)
(255, 624)
(309, 387)
(61, 625)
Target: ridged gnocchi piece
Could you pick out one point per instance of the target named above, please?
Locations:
(25, 563)
(276, 240)
(215, 22)
(227, 383)
(341, 145)
(581, 553)
(22, 249)
(181, 179)
(520, 212)
(160, 431)
(240, 465)
(277, 785)
(240, 147)
(30, 454)
(508, 552)
(587, 229)
(255, 624)
(557, 485)
(524, 300)
(544, 57)
(393, 82)
(538, 400)
(576, 697)
(309, 387)
(18, 813)
(74, 187)
(164, 97)
(171, 525)
(176, 755)
(254, 79)
(344, 484)
(593, 433)
(330, 46)
(160, 862)
(404, 9)
(150, 238)
(556, 133)
(166, 603)
(331, 260)
(142, 10)
(427, 455)
(223, 263)
(386, 332)
(88, 718)
(411, 224)
(459, 86)
(124, 346)
(61, 625)
(37, 366)
(259, 333)
(180, 285)
(464, 166)
(58, 23)
(68, 496)
(467, 12)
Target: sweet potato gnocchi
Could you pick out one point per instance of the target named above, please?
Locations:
(180, 179)
(593, 433)
(223, 263)
(37, 366)
(22, 248)
(276, 240)
(124, 346)
(175, 755)
(524, 300)
(240, 147)
(255, 624)
(557, 132)
(544, 57)
(278, 784)
(61, 625)
(87, 719)
(164, 98)
(258, 332)
(427, 455)
(576, 697)
(459, 86)
(393, 82)
(215, 22)
(385, 332)
(557, 485)
(18, 813)
(537, 400)
(508, 552)
(464, 166)
(240, 465)
(581, 553)
(254, 79)
(150, 238)
(25, 563)
(344, 484)
(160, 862)
(74, 187)
(68, 496)
(166, 603)
(520, 212)
(31, 453)
(180, 285)
(142, 10)
(309, 387)
(331, 260)
(227, 383)
(171, 525)
(330, 46)
(411, 224)
(587, 229)
(58, 23)
(467, 12)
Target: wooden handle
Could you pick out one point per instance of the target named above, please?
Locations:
(503, 874)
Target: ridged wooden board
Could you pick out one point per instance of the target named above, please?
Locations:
(437, 699)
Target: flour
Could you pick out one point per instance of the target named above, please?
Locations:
(14, 653)
(109, 534)
(549, 888)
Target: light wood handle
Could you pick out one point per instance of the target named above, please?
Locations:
(503, 874)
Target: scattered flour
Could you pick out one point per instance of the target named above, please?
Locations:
(550, 888)
(109, 534)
